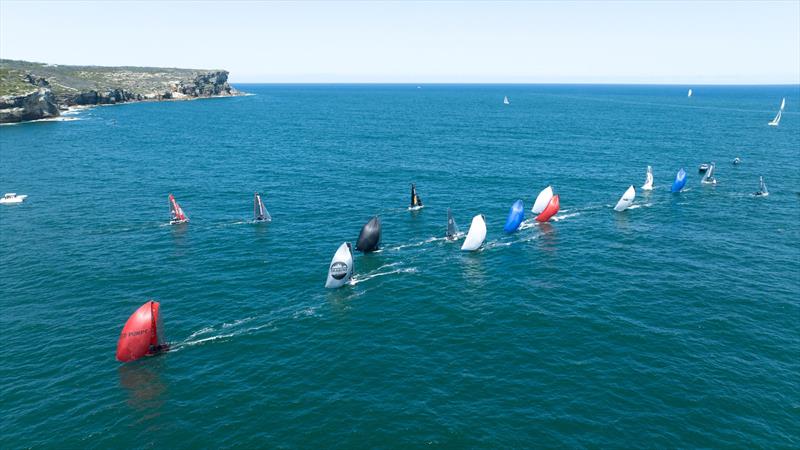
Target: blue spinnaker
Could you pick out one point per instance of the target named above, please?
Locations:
(515, 217)
(680, 181)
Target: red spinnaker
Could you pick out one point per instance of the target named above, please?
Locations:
(141, 335)
(175, 209)
(549, 211)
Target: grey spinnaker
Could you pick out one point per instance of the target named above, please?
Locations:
(452, 228)
(370, 237)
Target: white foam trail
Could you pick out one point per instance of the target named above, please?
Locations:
(565, 216)
(417, 244)
(640, 205)
(360, 279)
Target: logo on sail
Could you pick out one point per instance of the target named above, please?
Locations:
(339, 270)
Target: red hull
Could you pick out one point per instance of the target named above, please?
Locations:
(550, 211)
(140, 335)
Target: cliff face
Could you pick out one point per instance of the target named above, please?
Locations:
(39, 104)
(27, 88)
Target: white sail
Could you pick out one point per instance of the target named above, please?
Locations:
(626, 200)
(542, 200)
(505, 101)
(341, 268)
(708, 178)
(762, 187)
(648, 182)
(476, 234)
(777, 120)
(690, 93)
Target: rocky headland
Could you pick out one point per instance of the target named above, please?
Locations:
(34, 91)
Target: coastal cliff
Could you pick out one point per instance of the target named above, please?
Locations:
(32, 91)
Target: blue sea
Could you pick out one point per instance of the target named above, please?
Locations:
(673, 324)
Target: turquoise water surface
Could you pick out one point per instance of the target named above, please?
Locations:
(673, 324)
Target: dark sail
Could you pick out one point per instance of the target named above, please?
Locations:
(370, 236)
(415, 200)
(452, 228)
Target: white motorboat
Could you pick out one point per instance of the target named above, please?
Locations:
(12, 198)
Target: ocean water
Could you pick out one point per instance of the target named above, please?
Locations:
(673, 324)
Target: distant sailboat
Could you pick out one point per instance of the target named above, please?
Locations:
(708, 178)
(542, 200)
(476, 234)
(777, 120)
(680, 181)
(515, 217)
(689, 94)
(341, 268)
(176, 212)
(260, 213)
(552, 208)
(626, 200)
(648, 182)
(452, 229)
(416, 202)
(505, 101)
(762, 188)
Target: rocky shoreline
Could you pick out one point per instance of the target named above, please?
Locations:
(47, 97)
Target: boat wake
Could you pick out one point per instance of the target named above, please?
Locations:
(561, 217)
(379, 273)
(417, 244)
(224, 331)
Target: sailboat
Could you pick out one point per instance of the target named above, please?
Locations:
(476, 234)
(176, 212)
(626, 200)
(680, 181)
(648, 182)
(416, 202)
(452, 229)
(260, 213)
(505, 101)
(542, 200)
(777, 120)
(341, 268)
(708, 178)
(689, 94)
(762, 188)
(515, 217)
(370, 237)
(142, 334)
(552, 208)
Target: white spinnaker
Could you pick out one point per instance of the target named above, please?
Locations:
(341, 268)
(648, 182)
(626, 200)
(476, 234)
(542, 200)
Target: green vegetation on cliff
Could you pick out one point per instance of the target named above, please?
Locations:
(31, 91)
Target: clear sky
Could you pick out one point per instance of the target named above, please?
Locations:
(417, 42)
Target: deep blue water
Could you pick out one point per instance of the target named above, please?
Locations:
(674, 324)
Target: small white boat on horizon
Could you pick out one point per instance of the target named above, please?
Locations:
(777, 120)
(11, 198)
(505, 101)
(689, 94)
